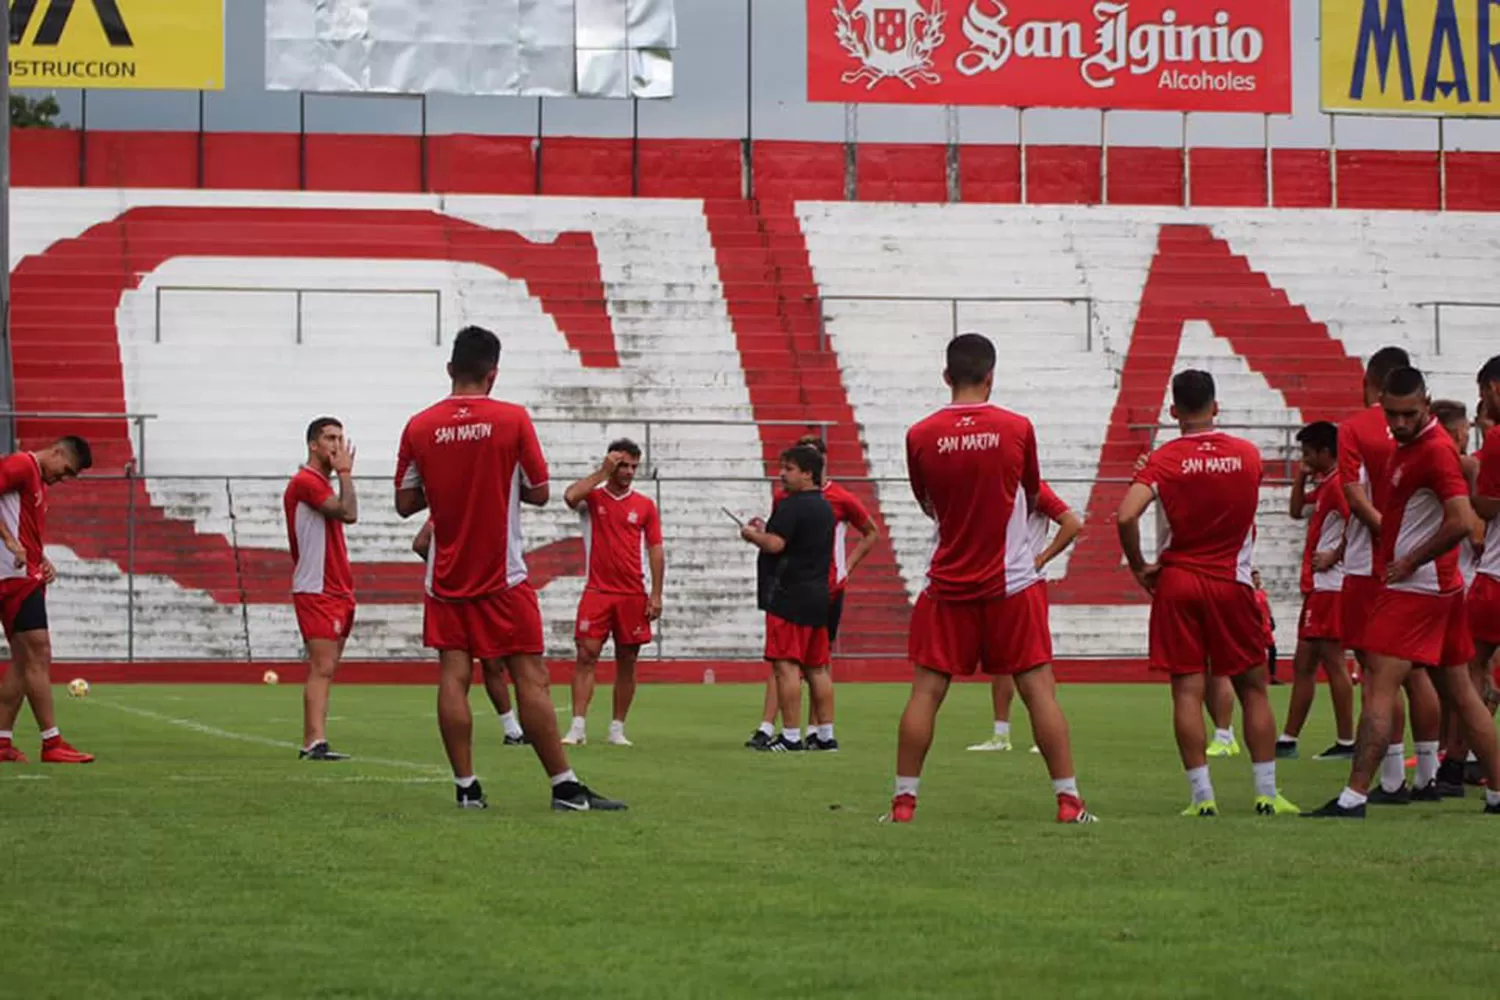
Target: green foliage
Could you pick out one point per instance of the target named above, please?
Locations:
(33, 112)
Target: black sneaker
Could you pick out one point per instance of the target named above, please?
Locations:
(574, 796)
(1473, 773)
(1450, 779)
(1332, 810)
(1427, 793)
(1400, 797)
(321, 751)
(1492, 808)
(517, 741)
(1339, 751)
(820, 744)
(1286, 750)
(471, 797)
(783, 745)
(759, 741)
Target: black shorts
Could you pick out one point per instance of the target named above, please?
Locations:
(835, 613)
(25, 614)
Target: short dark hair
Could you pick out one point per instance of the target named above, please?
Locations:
(1385, 361)
(1404, 382)
(1449, 412)
(1320, 435)
(806, 458)
(315, 429)
(626, 445)
(1193, 391)
(971, 359)
(80, 449)
(814, 441)
(1490, 372)
(476, 353)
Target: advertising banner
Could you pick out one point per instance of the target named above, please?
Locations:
(1151, 55)
(117, 44)
(1435, 58)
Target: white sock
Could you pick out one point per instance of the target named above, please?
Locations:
(907, 786)
(1473, 758)
(1349, 798)
(580, 725)
(465, 782)
(1265, 778)
(6, 734)
(1344, 743)
(616, 726)
(509, 724)
(792, 735)
(1491, 797)
(1427, 762)
(1002, 728)
(1201, 784)
(825, 732)
(1224, 735)
(1065, 786)
(1393, 767)
(50, 734)
(1286, 738)
(564, 777)
(767, 728)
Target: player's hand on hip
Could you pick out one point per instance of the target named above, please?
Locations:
(1146, 577)
(1399, 570)
(16, 550)
(1322, 561)
(653, 609)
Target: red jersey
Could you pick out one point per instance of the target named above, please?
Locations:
(472, 456)
(617, 534)
(1049, 510)
(1325, 528)
(1489, 486)
(319, 559)
(1421, 478)
(847, 511)
(1209, 488)
(23, 507)
(1365, 449)
(973, 468)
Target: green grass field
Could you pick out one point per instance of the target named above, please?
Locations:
(198, 858)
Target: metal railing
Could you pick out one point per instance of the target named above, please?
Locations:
(136, 420)
(819, 427)
(1288, 433)
(299, 294)
(1437, 317)
(954, 301)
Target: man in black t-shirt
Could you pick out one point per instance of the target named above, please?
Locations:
(792, 589)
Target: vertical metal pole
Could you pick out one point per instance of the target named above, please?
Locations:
(299, 315)
(302, 140)
(1442, 169)
(130, 471)
(851, 152)
(656, 480)
(1187, 166)
(422, 167)
(7, 381)
(635, 147)
(1270, 165)
(201, 169)
(1021, 140)
(1437, 328)
(83, 136)
(1333, 161)
(1103, 156)
(748, 159)
(953, 317)
(953, 165)
(140, 451)
(651, 457)
(538, 148)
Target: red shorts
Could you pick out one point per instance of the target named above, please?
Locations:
(1484, 609)
(1320, 621)
(1429, 630)
(320, 616)
(805, 645)
(1200, 623)
(622, 616)
(23, 606)
(1000, 635)
(505, 624)
(1355, 605)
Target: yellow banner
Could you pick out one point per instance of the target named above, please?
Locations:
(1438, 58)
(117, 44)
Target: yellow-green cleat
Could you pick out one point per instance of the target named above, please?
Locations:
(1219, 748)
(1209, 808)
(1265, 805)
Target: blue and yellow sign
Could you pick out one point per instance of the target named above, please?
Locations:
(1436, 58)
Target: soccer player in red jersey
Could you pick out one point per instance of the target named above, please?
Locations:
(621, 537)
(1318, 498)
(493, 673)
(1417, 617)
(848, 513)
(24, 576)
(322, 581)
(1365, 448)
(472, 461)
(1204, 617)
(1050, 510)
(973, 469)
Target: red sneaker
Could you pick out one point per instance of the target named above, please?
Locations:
(903, 808)
(58, 752)
(1070, 810)
(9, 754)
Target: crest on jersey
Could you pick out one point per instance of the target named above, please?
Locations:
(890, 38)
(1396, 477)
(462, 413)
(964, 422)
(633, 518)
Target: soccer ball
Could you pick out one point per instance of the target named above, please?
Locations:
(78, 687)
(271, 677)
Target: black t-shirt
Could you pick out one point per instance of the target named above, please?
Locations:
(794, 585)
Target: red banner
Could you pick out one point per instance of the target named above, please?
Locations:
(1146, 55)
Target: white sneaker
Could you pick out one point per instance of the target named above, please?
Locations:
(574, 739)
(994, 743)
(1035, 748)
(618, 739)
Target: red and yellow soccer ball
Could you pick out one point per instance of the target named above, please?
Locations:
(78, 688)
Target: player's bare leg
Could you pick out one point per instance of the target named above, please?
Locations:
(1457, 690)
(323, 656)
(771, 707)
(1304, 686)
(914, 738)
(789, 695)
(1425, 710)
(820, 695)
(1392, 788)
(1188, 694)
(1382, 681)
(1250, 688)
(583, 690)
(1340, 690)
(455, 721)
(624, 691)
(30, 679)
(1002, 695)
(534, 702)
(498, 690)
(1220, 695)
(1038, 688)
